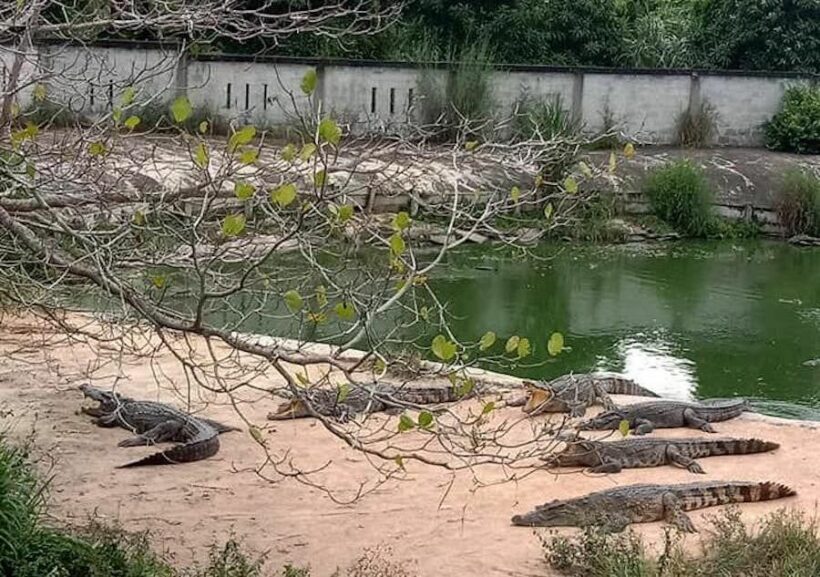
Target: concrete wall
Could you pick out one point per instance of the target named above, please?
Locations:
(644, 105)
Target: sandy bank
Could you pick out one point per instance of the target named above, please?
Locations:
(433, 519)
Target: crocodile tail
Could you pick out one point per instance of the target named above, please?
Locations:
(220, 427)
(623, 386)
(193, 451)
(723, 410)
(740, 446)
(700, 495)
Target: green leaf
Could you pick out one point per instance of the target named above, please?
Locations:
(443, 348)
(379, 366)
(39, 92)
(320, 178)
(321, 296)
(31, 170)
(487, 341)
(548, 211)
(425, 419)
(524, 348)
(470, 145)
(139, 218)
(345, 212)
(307, 151)
(96, 148)
(317, 318)
(248, 156)
(556, 344)
(465, 388)
(201, 155)
(302, 378)
(288, 153)
(294, 300)
(257, 435)
(284, 195)
(623, 427)
(203, 127)
(401, 221)
(613, 162)
(128, 96)
(397, 245)
(571, 185)
(159, 281)
(345, 311)
(132, 122)
(515, 193)
(406, 424)
(488, 408)
(342, 393)
(309, 81)
(424, 313)
(585, 170)
(329, 131)
(233, 225)
(629, 151)
(512, 344)
(181, 109)
(399, 460)
(244, 190)
(241, 137)
(116, 114)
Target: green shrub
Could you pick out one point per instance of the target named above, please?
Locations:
(697, 128)
(679, 194)
(796, 128)
(798, 203)
(784, 544)
(543, 118)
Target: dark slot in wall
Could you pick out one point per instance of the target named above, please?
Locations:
(265, 97)
(228, 96)
(110, 94)
(392, 101)
(247, 96)
(373, 100)
(91, 94)
(410, 98)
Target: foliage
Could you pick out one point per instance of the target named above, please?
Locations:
(696, 128)
(798, 203)
(543, 116)
(657, 34)
(679, 194)
(796, 128)
(784, 543)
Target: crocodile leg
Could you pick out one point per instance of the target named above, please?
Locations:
(577, 408)
(606, 468)
(604, 398)
(167, 431)
(678, 458)
(692, 419)
(673, 514)
(108, 421)
(643, 426)
(615, 523)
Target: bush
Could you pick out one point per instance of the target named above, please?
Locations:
(796, 128)
(679, 194)
(543, 117)
(784, 544)
(696, 128)
(798, 203)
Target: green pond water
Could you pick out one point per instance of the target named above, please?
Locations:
(687, 320)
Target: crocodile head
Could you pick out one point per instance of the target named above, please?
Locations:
(109, 401)
(577, 453)
(554, 514)
(608, 420)
(540, 399)
(293, 409)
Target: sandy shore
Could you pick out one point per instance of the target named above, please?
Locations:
(434, 521)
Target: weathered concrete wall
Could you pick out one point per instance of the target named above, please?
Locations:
(644, 105)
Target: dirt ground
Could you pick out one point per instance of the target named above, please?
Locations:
(435, 522)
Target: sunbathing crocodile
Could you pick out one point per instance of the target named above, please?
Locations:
(156, 423)
(573, 393)
(646, 417)
(345, 403)
(614, 509)
(612, 457)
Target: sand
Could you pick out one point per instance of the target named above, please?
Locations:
(434, 520)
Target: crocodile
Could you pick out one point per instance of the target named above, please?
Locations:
(612, 457)
(156, 423)
(646, 417)
(613, 509)
(344, 403)
(573, 393)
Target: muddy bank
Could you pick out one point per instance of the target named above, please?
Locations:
(432, 518)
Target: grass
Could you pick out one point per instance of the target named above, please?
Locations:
(785, 544)
(679, 194)
(543, 118)
(798, 203)
(697, 128)
(31, 548)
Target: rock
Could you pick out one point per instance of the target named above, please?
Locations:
(804, 240)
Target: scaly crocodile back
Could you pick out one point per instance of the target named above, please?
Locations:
(615, 385)
(713, 493)
(722, 410)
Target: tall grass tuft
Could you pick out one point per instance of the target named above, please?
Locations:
(679, 194)
(798, 203)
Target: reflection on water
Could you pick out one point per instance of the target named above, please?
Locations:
(693, 320)
(654, 362)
